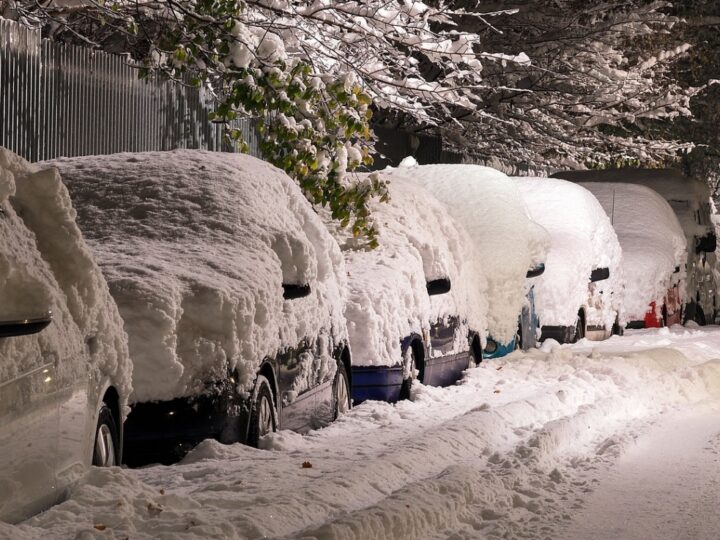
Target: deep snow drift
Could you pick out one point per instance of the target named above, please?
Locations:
(581, 239)
(46, 265)
(387, 294)
(515, 451)
(195, 247)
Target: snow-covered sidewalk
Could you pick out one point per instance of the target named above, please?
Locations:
(524, 447)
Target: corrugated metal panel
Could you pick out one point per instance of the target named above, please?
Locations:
(61, 100)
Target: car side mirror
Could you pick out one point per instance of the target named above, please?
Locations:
(535, 271)
(438, 286)
(599, 274)
(25, 327)
(292, 291)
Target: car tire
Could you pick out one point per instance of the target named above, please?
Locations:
(518, 338)
(579, 330)
(105, 449)
(617, 330)
(407, 384)
(341, 392)
(262, 415)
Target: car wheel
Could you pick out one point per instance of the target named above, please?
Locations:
(105, 451)
(341, 392)
(262, 415)
(518, 338)
(475, 354)
(407, 383)
(617, 330)
(579, 330)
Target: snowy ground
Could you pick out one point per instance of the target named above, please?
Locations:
(619, 439)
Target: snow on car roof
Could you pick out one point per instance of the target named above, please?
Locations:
(196, 246)
(489, 206)
(388, 299)
(581, 239)
(684, 194)
(45, 264)
(652, 241)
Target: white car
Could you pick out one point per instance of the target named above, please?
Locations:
(232, 293)
(654, 251)
(580, 292)
(416, 306)
(510, 246)
(690, 200)
(64, 365)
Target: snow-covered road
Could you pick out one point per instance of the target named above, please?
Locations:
(666, 486)
(595, 440)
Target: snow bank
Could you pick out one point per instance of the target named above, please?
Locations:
(652, 241)
(46, 265)
(489, 206)
(388, 298)
(581, 239)
(511, 453)
(195, 247)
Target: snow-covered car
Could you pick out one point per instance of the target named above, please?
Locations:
(690, 200)
(580, 292)
(653, 252)
(64, 364)
(488, 205)
(416, 307)
(232, 293)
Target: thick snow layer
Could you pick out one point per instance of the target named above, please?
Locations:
(489, 206)
(514, 452)
(388, 299)
(46, 265)
(688, 197)
(652, 241)
(581, 239)
(195, 247)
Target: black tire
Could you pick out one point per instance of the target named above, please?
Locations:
(617, 330)
(579, 330)
(407, 384)
(106, 447)
(262, 415)
(518, 338)
(341, 392)
(476, 357)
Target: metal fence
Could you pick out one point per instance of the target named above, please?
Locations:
(62, 100)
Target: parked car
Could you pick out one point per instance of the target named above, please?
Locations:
(416, 308)
(64, 365)
(580, 292)
(489, 206)
(690, 200)
(653, 247)
(232, 293)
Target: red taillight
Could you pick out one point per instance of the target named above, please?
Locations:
(651, 319)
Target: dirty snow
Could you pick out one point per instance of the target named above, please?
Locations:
(45, 264)
(195, 247)
(536, 445)
(387, 298)
(581, 239)
(489, 206)
(652, 241)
